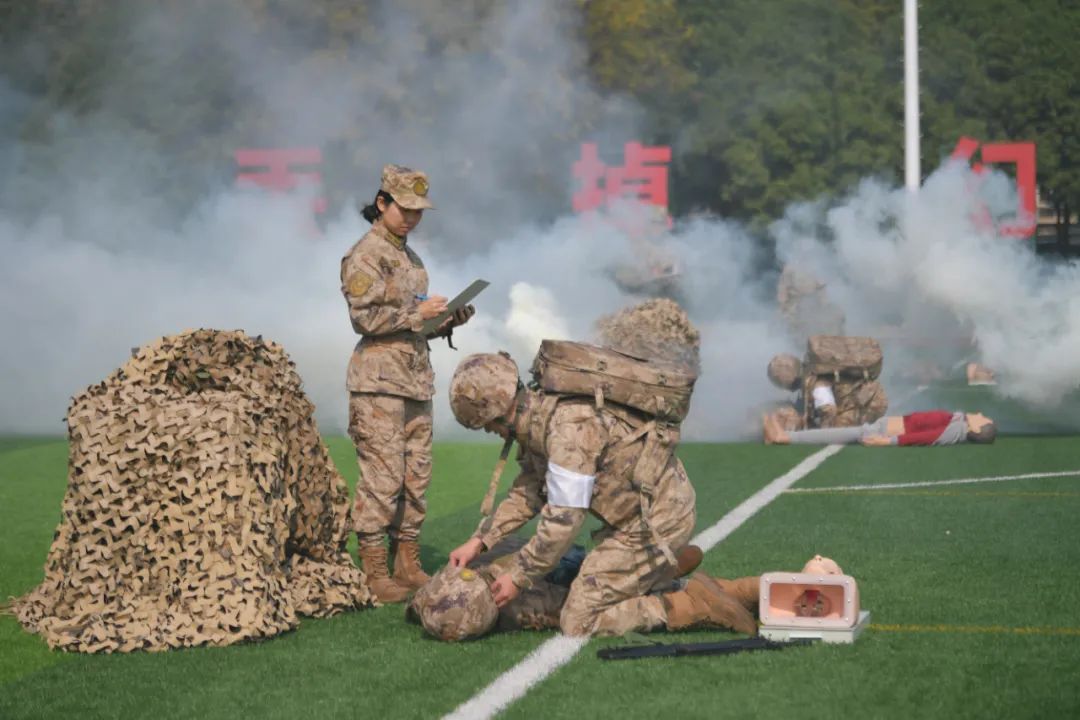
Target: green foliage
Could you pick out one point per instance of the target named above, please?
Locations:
(770, 103)
(764, 103)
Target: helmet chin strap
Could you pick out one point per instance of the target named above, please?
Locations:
(489, 499)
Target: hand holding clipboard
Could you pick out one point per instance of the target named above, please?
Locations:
(463, 298)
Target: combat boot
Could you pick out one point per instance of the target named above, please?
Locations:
(687, 560)
(745, 589)
(704, 605)
(373, 562)
(407, 569)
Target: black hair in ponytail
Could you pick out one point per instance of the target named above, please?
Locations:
(372, 212)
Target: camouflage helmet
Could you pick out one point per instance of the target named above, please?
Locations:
(456, 604)
(483, 388)
(785, 371)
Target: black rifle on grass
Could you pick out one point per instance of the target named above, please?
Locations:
(727, 647)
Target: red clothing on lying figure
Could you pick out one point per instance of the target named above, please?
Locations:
(923, 428)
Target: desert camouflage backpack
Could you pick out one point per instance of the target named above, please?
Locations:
(656, 392)
(656, 388)
(852, 365)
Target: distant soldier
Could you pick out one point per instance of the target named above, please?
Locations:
(578, 459)
(805, 305)
(390, 382)
(836, 383)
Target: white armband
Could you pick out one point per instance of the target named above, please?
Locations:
(823, 395)
(566, 488)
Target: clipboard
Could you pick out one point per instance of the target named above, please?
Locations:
(463, 298)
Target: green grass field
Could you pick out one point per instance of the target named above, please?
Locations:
(972, 588)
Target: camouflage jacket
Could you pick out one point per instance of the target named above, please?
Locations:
(588, 441)
(383, 282)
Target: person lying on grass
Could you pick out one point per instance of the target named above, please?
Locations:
(458, 602)
(934, 427)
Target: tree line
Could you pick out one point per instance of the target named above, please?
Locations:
(763, 103)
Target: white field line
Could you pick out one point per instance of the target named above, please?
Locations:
(559, 650)
(933, 483)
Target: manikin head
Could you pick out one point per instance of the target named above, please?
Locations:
(981, 429)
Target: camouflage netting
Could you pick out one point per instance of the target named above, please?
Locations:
(654, 329)
(202, 507)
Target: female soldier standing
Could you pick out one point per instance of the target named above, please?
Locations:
(390, 382)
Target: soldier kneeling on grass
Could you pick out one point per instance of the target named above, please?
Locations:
(458, 603)
(580, 457)
(835, 384)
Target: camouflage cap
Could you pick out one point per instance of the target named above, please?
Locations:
(408, 187)
(483, 388)
(456, 604)
(785, 370)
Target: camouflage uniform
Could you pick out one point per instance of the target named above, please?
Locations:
(390, 380)
(617, 588)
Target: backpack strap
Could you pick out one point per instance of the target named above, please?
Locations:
(661, 439)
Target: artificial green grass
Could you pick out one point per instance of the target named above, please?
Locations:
(1007, 559)
(956, 558)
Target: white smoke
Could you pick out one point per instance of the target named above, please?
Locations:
(941, 287)
(104, 267)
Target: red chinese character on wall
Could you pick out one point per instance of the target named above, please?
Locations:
(282, 170)
(1021, 154)
(643, 175)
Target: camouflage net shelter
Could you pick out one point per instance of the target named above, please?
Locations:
(202, 507)
(655, 329)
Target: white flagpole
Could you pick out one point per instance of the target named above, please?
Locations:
(912, 155)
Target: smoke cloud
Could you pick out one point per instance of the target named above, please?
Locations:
(97, 260)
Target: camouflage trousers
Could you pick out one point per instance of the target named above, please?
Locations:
(535, 608)
(618, 588)
(393, 449)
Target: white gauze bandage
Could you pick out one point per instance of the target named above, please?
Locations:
(566, 488)
(823, 395)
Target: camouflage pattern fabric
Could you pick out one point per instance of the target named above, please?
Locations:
(457, 604)
(202, 507)
(483, 388)
(653, 329)
(383, 282)
(589, 441)
(785, 371)
(617, 590)
(857, 404)
(393, 449)
(408, 187)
